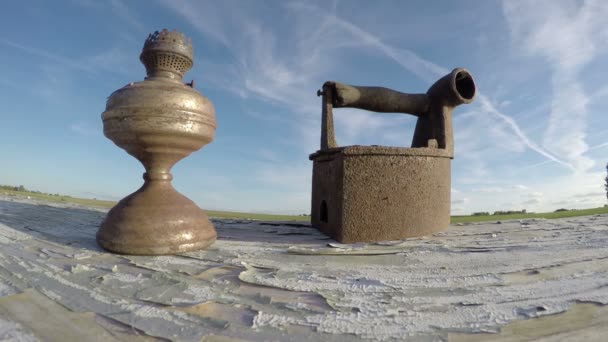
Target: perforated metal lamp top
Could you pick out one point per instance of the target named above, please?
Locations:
(167, 54)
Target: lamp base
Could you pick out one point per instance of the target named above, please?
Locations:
(155, 220)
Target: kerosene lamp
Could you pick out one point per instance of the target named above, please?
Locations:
(159, 121)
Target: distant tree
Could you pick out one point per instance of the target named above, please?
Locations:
(606, 181)
(509, 212)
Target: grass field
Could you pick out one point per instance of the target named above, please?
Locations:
(59, 198)
(551, 215)
(271, 217)
(110, 204)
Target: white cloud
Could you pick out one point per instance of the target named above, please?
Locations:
(566, 35)
(279, 67)
(293, 176)
(489, 190)
(424, 69)
(460, 201)
(602, 145)
(591, 194)
(84, 129)
(121, 10)
(116, 59)
(429, 71)
(532, 201)
(503, 133)
(269, 155)
(205, 16)
(48, 56)
(518, 132)
(535, 194)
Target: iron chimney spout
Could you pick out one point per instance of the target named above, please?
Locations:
(455, 88)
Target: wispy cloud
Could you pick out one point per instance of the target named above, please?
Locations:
(460, 201)
(269, 155)
(288, 75)
(48, 55)
(424, 69)
(590, 194)
(205, 16)
(84, 129)
(113, 59)
(532, 201)
(116, 60)
(429, 71)
(121, 10)
(567, 35)
(118, 9)
(265, 67)
(598, 146)
(489, 190)
(490, 108)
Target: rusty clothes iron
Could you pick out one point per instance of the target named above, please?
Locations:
(159, 121)
(375, 193)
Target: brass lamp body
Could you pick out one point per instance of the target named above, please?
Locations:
(159, 121)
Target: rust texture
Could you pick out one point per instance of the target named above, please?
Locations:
(375, 193)
(159, 121)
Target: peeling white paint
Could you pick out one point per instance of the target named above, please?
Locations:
(471, 278)
(14, 332)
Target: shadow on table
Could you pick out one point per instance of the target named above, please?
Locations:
(268, 232)
(62, 225)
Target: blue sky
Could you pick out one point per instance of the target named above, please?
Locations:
(535, 138)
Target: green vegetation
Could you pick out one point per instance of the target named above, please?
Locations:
(4, 190)
(21, 191)
(261, 217)
(509, 212)
(476, 217)
(553, 215)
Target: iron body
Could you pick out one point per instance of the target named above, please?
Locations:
(375, 193)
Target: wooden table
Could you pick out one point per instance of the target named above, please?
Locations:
(264, 281)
